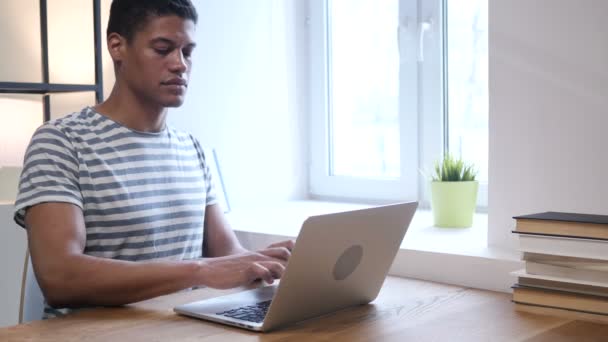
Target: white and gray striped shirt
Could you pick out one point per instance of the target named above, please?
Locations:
(143, 195)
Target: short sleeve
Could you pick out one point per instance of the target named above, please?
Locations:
(211, 196)
(50, 172)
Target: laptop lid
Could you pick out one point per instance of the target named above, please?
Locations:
(340, 260)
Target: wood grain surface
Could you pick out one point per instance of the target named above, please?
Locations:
(406, 310)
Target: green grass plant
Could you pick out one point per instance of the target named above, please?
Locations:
(451, 169)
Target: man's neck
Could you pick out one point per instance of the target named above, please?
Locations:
(132, 112)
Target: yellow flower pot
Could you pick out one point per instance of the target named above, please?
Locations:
(453, 203)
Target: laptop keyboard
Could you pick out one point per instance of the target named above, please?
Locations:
(252, 313)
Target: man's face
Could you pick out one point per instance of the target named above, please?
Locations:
(157, 62)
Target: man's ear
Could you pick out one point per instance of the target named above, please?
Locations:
(116, 46)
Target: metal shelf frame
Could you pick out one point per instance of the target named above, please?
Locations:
(45, 88)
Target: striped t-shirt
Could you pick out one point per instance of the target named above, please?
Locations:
(142, 195)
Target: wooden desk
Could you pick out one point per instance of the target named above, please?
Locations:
(406, 310)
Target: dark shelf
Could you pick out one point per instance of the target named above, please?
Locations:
(43, 88)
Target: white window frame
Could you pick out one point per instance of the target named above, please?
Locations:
(431, 67)
(438, 50)
(423, 120)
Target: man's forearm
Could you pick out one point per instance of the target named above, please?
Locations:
(84, 280)
(220, 238)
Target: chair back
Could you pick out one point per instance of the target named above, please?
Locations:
(32, 299)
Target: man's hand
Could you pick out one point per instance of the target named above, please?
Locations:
(288, 244)
(245, 268)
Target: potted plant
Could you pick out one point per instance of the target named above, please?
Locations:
(453, 192)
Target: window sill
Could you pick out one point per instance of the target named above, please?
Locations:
(450, 255)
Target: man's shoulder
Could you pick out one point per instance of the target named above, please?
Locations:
(60, 127)
(181, 135)
(83, 119)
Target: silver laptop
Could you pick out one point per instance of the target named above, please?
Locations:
(339, 260)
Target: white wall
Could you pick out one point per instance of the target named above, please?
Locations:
(13, 242)
(248, 96)
(548, 110)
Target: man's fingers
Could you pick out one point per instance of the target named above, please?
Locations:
(280, 253)
(276, 269)
(259, 271)
(289, 244)
(267, 271)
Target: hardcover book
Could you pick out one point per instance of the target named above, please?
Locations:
(563, 224)
(560, 299)
(564, 246)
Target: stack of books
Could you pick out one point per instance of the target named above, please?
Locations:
(566, 265)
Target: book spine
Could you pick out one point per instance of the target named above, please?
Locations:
(579, 248)
(567, 272)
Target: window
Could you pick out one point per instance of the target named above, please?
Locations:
(467, 85)
(383, 107)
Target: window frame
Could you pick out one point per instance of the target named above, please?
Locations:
(322, 184)
(423, 119)
(482, 194)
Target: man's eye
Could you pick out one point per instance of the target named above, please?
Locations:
(163, 52)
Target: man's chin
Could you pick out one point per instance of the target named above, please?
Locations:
(174, 102)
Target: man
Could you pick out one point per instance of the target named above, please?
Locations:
(119, 207)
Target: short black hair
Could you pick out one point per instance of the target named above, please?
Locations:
(129, 16)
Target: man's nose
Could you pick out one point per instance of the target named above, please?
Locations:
(178, 62)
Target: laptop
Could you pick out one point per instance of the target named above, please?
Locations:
(340, 260)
